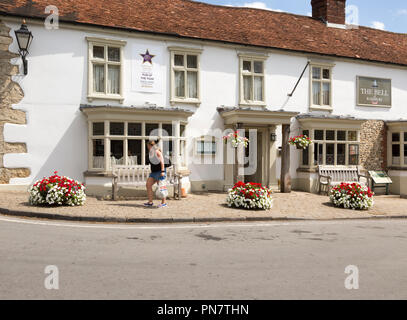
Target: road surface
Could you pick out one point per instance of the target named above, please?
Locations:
(293, 260)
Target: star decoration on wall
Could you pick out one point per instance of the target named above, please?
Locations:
(147, 57)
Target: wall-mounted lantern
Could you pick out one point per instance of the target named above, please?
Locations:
(273, 137)
(24, 38)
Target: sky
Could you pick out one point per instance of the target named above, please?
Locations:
(388, 15)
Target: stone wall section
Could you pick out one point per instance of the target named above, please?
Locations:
(10, 93)
(373, 145)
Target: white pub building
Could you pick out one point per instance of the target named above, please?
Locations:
(98, 81)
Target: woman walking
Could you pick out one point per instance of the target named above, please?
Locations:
(158, 172)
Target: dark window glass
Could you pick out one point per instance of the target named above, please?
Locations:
(116, 149)
(319, 135)
(305, 157)
(182, 130)
(98, 128)
(330, 135)
(179, 60)
(352, 136)
(326, 73)
(396, 137)
(341, 135)
(354, 154)
(405, 136)
(167, 148)
(318, 154)
(152, 129)
(98, 154)
(134, 129)
(167, 129)
(396, 150)
(341, 157)
(116, 128)
(134, 152)
(330, 154)
(405, 152)
(98, 52)
(192, 62)
(305, 133)
(114, 54)
(258, 67)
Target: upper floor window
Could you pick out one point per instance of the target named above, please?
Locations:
(321, 87)
(105, 69)
(252, 84)
(185, 74)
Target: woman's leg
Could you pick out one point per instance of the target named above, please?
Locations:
(149, 185)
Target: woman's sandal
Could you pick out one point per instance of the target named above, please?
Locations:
(148, 204)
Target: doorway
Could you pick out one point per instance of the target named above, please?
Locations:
(254, 160)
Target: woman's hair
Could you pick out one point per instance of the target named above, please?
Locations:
(154, 144)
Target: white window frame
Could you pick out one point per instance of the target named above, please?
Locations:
(242, 73)
(106, 43)
(177, 139)
(201, 139)
(320, 106)
(185, 52)
(402, 130)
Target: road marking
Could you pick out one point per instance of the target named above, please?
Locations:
(185, 226)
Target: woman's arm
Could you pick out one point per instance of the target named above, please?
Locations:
(160, 156)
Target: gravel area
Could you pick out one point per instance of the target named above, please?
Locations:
(208, 206)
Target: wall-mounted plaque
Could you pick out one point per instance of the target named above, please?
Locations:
(373, 92)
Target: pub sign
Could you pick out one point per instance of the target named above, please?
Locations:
(373, 92)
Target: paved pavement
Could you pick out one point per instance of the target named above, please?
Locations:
(206, 207)
(291, 260)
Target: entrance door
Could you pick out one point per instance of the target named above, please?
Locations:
(254, 165)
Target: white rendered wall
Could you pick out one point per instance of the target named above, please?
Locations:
(56, 85)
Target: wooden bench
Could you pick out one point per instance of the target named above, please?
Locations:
(136, 176)
(329, 176)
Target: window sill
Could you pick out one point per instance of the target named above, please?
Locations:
(105, 97)
(196, 102)
(252, 104)
(321, 108)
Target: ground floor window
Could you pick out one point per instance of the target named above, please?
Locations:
(125, 142)
(399, 148)
(332, 147)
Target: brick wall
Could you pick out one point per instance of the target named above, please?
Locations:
(10, 93)
(373, 145)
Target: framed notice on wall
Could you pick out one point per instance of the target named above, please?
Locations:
(373, 92)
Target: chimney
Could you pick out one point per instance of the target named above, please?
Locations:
(331, 11)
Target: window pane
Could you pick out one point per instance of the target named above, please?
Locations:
(113, 54)
(116, 128)
(319, 134)
(341, 157)
(152, 129)
(326, 89)
(98, 154)
(405, 136)
(192, 84)
(182, 153)
(316, 73)
(395, 150)
(192, 62)
(305, 133)
(182, 130)
(180, 84)
(167, 129)
(318, 154)
(134, 129)
(247, 87)
(98, 78)
(352, 136)
(305, 157)
(326, 73)
(167, 148)
(98, 129)
(396, 137)
(113, 82)
(341, 135)
(116, 152)
(179, 60)
(330, 154)
(98, 52)
(258, 67)
(316, 93)
(405, 153)
(134, 152)
(247, 66)
(258, 88)
(354, 154)
(330, 135)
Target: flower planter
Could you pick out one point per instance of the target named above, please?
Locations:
(300, 142)
(250, 196)
(352, 196)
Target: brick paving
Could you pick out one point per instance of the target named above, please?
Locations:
(202, 207)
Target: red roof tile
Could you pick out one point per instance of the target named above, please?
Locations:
(185, 18)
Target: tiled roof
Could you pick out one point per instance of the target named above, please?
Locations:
(263, 28)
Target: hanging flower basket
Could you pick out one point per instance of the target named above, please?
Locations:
(300, 142)
(236, 140)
